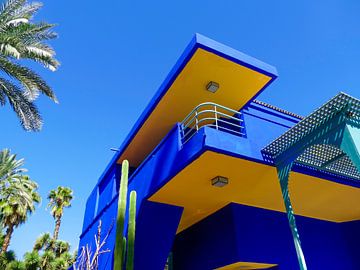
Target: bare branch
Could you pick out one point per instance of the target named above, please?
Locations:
(89, 260)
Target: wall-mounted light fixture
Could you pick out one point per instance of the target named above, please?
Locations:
(212, 86)
(220, 181)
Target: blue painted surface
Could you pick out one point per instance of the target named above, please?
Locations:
(156, 228)
(90, 209)
(249, 234)
(108, 219)
(329, 245)
(170, 157)
(236, 233)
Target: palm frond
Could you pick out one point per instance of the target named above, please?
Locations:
(10, 167)
(15, 12)
(9, 8)
(29, 33)
(42, 55)
(17, 21)
(2, 98)
(25, 109)
(31, 81)
(21, 38)
(9, 50)
(27, 10)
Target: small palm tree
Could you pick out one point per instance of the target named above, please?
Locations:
(15, 265)
(61, 247)
(60, 198)
(10, 168)
(17, 201)
(43, 242)
(49, 254)
(32, 260)
(22, 39)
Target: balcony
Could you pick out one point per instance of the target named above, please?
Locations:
(212, 115)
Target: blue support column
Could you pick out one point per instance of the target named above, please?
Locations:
(156, 228)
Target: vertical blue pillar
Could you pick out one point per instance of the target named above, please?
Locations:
(156, 228)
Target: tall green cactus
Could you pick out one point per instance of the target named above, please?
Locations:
(131, 232)
(120, 242)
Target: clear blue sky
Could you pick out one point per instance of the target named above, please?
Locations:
(116, 53)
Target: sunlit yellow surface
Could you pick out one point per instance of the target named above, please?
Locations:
(246, 266)
(238, 84)
(254, 184)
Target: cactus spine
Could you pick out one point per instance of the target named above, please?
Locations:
(131, 232)
(121, 250)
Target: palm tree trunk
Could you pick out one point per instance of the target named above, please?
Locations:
(57, 228)
(7, 239)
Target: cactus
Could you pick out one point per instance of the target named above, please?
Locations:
(125, 246)
(131, 232)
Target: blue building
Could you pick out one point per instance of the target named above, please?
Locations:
(205, 159)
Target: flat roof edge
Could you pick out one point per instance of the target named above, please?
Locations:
(198, 41)
(235, 55)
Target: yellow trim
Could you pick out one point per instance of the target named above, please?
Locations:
(246, 266)
(254, 184)
(238, 84)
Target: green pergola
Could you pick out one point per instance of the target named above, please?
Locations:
(328, 140)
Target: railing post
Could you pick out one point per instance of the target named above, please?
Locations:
(196, 120)
(182, 133)
(216, 120)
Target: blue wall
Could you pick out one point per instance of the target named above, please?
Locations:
(156, 228)
(243, 233)
(236, 233)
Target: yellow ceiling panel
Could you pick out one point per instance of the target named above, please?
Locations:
(254, 184)
(238, 84)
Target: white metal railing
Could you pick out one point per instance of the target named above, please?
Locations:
(212, 115)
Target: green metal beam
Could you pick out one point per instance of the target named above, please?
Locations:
(283, 175)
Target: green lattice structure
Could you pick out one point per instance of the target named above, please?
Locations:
(328, 140)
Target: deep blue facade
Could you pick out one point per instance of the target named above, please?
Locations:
(235, 233)
(226, 236)
(243, 233)
(253, 242)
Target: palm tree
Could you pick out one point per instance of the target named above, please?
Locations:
(22, 39)
(10, 168)
(60, 198)
(43, 242)
(17, 201)
(32, 260)
(49, 254)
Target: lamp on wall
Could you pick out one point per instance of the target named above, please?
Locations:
(220, 181)
(212, 86)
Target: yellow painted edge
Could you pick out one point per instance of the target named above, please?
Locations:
(246, 265)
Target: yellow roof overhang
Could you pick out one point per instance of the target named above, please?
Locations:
(257, 185)
(246, 265)
(240, 77)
